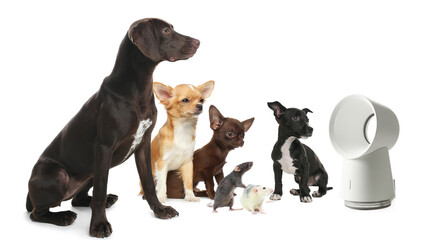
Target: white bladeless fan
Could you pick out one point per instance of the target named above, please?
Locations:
(363, 131)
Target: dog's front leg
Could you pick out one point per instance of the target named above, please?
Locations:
(304, 189)
(186, 171)
(100, 227)
(277, 169)
(210, 186)
(143, 164)
(219, 176)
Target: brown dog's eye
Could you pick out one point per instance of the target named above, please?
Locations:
(166, 30)
(185, 100)
(230, 134)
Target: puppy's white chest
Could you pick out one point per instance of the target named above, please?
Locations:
(183, 146)
(287, 161)
(137, 137)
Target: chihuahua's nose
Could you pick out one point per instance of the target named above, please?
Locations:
(199, 107)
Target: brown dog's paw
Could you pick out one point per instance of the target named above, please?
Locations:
(100, 229)
(165, 212)
(111, 199)
(58, 218)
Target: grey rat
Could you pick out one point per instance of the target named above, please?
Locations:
(224, 196)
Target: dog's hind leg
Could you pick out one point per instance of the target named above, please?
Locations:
(321, 182)
(47, 188)
(293, 191)
(82, 199)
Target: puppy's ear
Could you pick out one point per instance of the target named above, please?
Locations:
(277, 108)
(162, 92)
(142, 34)
(206, 88)
(215, 117)
(306, 110)
(247, 124)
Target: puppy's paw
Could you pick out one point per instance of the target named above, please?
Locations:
(295, 192)
(190, 197)
(316, 194)
(162, 197)
(305, 199)
(275, 197)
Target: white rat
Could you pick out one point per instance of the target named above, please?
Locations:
(253, 196)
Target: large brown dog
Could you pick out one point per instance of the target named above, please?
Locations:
(209, 160)
(114, 123)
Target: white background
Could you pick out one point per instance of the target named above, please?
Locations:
(54, 56)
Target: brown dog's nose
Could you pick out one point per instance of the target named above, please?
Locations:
(195, 42)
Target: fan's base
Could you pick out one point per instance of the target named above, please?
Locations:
(368, 205)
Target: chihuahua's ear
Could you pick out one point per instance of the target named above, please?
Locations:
(162, 92)
(277, 108)
(215, 117)
(306, 110)
(206, 88)
(247, 124)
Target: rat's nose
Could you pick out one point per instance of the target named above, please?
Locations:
(195, 42)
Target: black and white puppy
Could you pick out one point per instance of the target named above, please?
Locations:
(291, 156)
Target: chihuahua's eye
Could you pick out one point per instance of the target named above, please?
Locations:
(185, 100)
(296, 118)
(166, 30)
(202, 100)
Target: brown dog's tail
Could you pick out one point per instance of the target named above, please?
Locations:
(29, 206)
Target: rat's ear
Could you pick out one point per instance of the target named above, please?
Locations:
(277, 108)
(255, 190)
(237, 169)
(247, 124)
(215, 117)
(162, 92)
(142, 34)
(206, 88)
(306, 110)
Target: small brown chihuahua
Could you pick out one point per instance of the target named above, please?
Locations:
(208, 161)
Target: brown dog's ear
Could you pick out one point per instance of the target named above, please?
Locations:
(142, 34)
(162, 92)
(206, 88)
(215, 117)
(247, 124)
(277, 108)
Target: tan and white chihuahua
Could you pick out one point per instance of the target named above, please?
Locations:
(173, 147)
